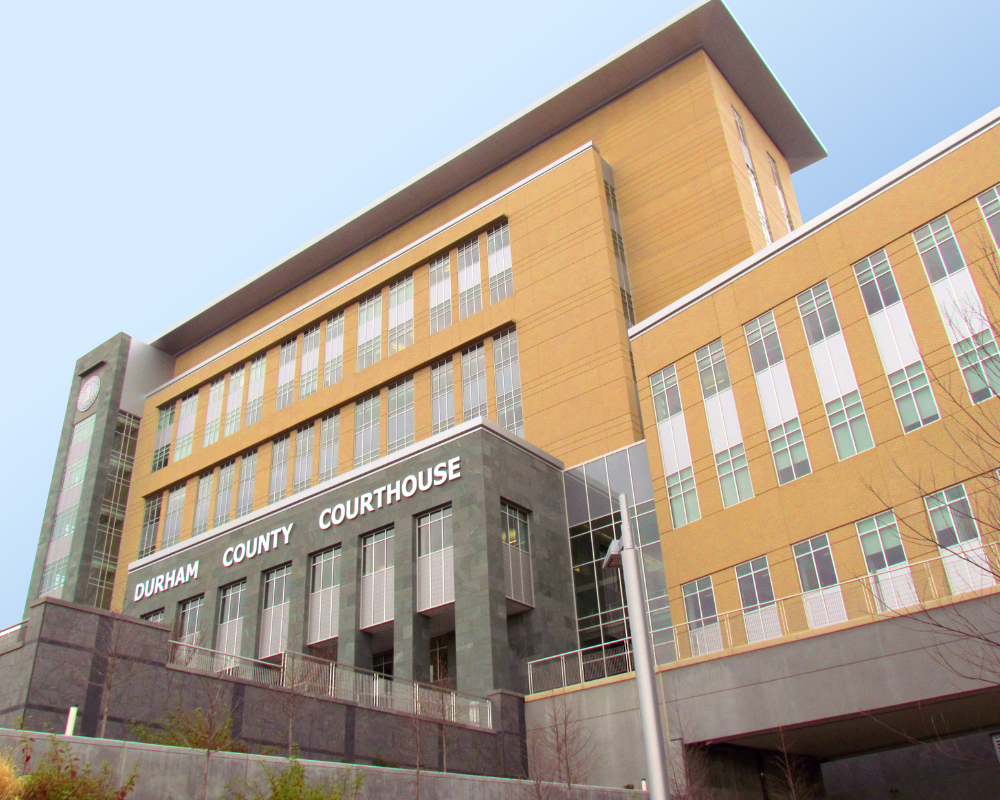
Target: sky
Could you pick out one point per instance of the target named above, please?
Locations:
(152, 156)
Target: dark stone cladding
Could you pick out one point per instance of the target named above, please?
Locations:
(492, 648)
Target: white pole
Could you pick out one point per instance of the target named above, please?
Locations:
(71, 720)
(649, 711)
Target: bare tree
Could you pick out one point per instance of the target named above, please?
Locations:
(563, 749)
(795, 777)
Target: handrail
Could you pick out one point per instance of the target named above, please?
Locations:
(902, 589)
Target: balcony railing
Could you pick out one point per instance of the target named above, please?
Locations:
(314, 676)
(12, 637)
(969, 569)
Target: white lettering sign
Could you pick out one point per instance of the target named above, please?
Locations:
(256, 545)
(167, 580)
(407, 487)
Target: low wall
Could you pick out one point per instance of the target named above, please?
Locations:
(176, 773)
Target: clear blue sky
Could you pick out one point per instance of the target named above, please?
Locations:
(154, 155)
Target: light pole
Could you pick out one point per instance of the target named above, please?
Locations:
(624, 555)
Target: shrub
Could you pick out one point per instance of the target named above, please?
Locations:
(10, 781)
(60, 776)
(291, 783)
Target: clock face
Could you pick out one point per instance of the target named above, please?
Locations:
(88, 393)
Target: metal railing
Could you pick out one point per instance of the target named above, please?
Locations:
(12, 637)
(900, 590)
(314, 676)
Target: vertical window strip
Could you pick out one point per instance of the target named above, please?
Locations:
(682, 496)
(781, 193)
(881, 542)
(234, 401)
(763, 342)
(286, 374)
(370, 330)
(172, 519)
(230, 619)
(474, 382)
(989, 202)
(150, 525)
(255, 391)
(401, 314)
(434, 531)
(302, 474)
(309, 370)
(819, 315)
(814, 561)
(618, 241)
(189, 622)
(400, 417)
(979, 361)
(938, 249)
(164, 436)
(324, 572)
(439, 273)
(366, 430)
(54, 577)
(508, 382)
(734, 475)
(754, 581)
(245, 489)
(213, 415)
(712, 369)
(666, 393)
(329, 446)
(224, 499)
(333, 354)
(788, 447)
(498, 262)
(699, 603)
(849, 425)
(185, 427)
(914, 399)
(203, 503)
(470, 290)
(515, 526)
(77, 457)
(877, 283)
(951, 517)
(377, 551)
(754, 183)
(442, 396)
(278, 485)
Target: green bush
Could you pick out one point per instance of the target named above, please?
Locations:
(291, 783)
(60, 776)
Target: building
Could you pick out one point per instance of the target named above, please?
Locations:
(399, 447)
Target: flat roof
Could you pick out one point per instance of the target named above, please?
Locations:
(707, 25)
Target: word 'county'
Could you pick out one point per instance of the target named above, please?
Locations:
(407, 487)
(255, 546)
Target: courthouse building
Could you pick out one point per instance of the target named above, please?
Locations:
(400, 447)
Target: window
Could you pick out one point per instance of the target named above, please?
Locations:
(324, 595)
(150, 525)
(938, 249)
(279, 469)
(791, 460)
(754, 580)
(818, 313)
(734, 475)
(878, 285)
(255, 391)
(781, 193)
(442, 396)
(470, 292)
(302, 472)
(172, 519)
(224, 500)
(164, 433)
(914, 400)
(712, 369)
(618, 241)
(666, 393)
(439, 659)
(498, 261)
(849, 425)
(244, 492)
(814, 561)
(309, 371)
(214, 414)
(234, 402)
(202, 503)
(880, 541)
(54, 577)
(440, 291)
(400, 421)
(77, 457)
(762, 339)
(366, 430)
(515, 526)
(154, 616)
(434, 532)
(333, 354)
(474, 382)
(274, 617)
(699, 603)
(376, 552)
(189, 621)
(989, 202)
(951, 516)
(185, 426)
(754, 184)
(286, 374)
(324, 570)
(230, 619)
(683, 498)
(369, 331)
(276, 586)
(980, 363)
(382, 664)
(377, 578)
(329, 449)
(507, 374)
(401, 314)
